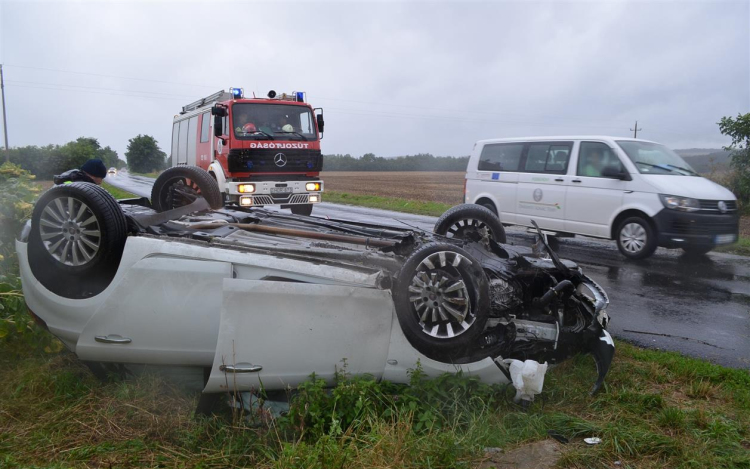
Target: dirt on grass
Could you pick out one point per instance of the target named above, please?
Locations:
(434, 186)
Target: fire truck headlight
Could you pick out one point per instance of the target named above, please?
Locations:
(314, 198)
(312, 186)
(246, 188)
(246, 201)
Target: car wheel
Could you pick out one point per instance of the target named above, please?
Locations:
(470, 220)
(697, 250)
(305, 209)
(635, 238)
(442, 300)
(181, 185)
(77, 237)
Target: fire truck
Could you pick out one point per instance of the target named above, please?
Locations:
(260, 151)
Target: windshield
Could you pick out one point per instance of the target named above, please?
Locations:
(652, 158)
(273, 122)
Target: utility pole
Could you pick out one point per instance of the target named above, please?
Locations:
(635, 132)
(5, 120)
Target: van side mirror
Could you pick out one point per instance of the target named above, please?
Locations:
(218, 124)
(613, 172)
(321, 123)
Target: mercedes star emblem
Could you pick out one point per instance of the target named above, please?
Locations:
(280, 160)
(722, 206)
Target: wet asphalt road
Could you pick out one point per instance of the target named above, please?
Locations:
(704, 303)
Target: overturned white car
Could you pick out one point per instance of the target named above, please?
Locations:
(253, 298)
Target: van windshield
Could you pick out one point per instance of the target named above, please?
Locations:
(653, 158)
(252, 121)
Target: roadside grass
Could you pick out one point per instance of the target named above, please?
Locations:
(118, 193)
(741, 247)
(658, 409)
(152, 174)
(419, 207)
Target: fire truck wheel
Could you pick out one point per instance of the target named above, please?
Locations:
(77, 238)
(181, 185)
(302, 209)
(441, 296)
(469, 221)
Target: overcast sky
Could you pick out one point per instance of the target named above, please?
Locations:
(393, 78)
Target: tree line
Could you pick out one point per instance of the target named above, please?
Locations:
(370, 162)
(143, 155)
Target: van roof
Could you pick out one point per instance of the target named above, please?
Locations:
(561, 137)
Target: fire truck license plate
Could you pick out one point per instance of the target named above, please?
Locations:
(281, 190)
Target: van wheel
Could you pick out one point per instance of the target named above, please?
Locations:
(441, 296)
(77, 237)
(470, 221)
(182, 185)
(635, 238)
(305, 209)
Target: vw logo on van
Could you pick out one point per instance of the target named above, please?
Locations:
(538, 194)
(280, 160)
(722, 206)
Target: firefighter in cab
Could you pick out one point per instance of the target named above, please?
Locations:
(92, 171)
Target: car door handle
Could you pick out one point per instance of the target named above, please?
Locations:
(112, 339)
(576, 180)
(241, 368)
(559, 179)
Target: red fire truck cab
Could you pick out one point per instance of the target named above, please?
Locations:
(261, 151)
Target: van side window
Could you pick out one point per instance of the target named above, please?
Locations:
(593, 157)
(500, 157)
(548, 157)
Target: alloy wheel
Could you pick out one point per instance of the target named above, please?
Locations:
(440, 297)
(70, 231)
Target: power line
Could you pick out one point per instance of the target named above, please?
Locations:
(52, 88)
(108, 76)
(181, 96)
(5, 119)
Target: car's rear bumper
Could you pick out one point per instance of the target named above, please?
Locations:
(676, 229)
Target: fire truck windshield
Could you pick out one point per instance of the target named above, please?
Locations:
(272, 122)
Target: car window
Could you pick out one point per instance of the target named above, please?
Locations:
(548, 157)
(500, 157)
(593, 157)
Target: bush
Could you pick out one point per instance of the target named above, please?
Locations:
(17, 329)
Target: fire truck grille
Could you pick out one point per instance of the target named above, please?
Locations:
(255, 160)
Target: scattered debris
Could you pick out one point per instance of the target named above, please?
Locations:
(528, 379)
(592, 441)
(558, 436)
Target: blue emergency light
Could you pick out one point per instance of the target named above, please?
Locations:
(237, 93)
(300, 96)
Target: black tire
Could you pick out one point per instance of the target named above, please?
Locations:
(461, 220)
(700, 250)
(635, 238)
(554, 243)
(429, 324)
(181, 185)
(489, 206)
(305, 209)
(78, 234)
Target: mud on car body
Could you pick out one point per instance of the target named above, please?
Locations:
(250, 297)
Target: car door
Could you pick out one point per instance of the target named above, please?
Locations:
(542, 184)
(496, 177)
(163, 311)
(275, 334)
(592, 199)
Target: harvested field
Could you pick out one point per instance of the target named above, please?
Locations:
(434, 186)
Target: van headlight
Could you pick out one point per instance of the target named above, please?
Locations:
(685, 204)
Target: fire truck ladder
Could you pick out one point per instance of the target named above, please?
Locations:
(218, 96)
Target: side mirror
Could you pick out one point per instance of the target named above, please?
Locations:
(613, 172)
(220, 111)
(321, 122)
(218, 126)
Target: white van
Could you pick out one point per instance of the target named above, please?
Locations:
(640, 193)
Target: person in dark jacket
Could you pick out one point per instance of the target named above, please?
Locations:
(92, 171)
